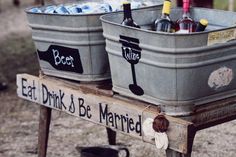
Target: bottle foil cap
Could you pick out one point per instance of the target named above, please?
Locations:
(125, 2)
(166, 7)
(204, 22)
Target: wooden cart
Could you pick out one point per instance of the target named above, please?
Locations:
(98, 104)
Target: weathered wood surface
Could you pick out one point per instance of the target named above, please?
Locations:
(101, 107)
(214, 113)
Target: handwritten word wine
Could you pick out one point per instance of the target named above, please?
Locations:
(164, 24)
(128, 20)
(185, 24)
(201, 26)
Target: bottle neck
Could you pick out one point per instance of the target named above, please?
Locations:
(186, 6)
(186, 9)
(165, 16)
(186, 14)
(127, 11)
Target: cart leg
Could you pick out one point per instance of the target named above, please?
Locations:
(44, 124)
(172, 153)
(111, 136)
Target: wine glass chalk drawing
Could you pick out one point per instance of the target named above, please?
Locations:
(132, 53)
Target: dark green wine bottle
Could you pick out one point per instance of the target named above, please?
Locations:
(201, 26)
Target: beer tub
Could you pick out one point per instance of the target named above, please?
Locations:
(176, 71)
(72, 46)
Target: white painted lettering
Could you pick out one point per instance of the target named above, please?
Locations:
(28, 90)
(62, 59)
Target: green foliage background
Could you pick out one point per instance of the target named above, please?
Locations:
(222, 4)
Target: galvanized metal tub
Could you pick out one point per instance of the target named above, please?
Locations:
(176, 71)
(72, 46)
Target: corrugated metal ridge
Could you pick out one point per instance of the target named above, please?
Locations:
(178, 65)
(82, 77)
(177, 51)
(154, 100)
(66, 29)
(71, 43)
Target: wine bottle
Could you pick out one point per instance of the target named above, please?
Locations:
(185, 24)
(201, 26)
(128, 20)
(164, 24)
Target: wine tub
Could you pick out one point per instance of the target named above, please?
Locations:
(178, 72)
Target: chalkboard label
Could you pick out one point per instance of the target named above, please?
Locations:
(131, 52)
(62, 58)
(130, 49)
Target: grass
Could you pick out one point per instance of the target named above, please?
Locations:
(17, 56)
(222, 4)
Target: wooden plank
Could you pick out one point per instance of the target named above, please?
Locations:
(124, 115)
(98, 88)
(214, 113)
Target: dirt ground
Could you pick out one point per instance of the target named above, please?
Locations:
(19, 118)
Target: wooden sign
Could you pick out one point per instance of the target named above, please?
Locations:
(119, 114)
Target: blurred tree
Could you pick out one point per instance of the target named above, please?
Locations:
(198, 3)
(16, 2)
(231, 5)
(39, 2)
